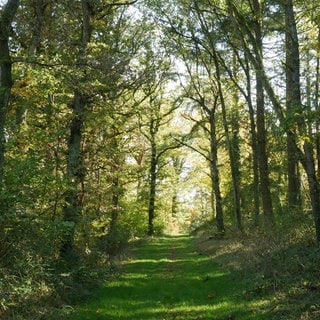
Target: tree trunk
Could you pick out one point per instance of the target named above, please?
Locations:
(233, 145)
(75, 171)
(116, 192)
(255, 38)
(261, 130)
(316, 104)
(112, 237)
(233, 148)
(254, 146)
(177, 163)
(6, 18)
(152, 194)
(293, 104)
(305, 155)
(247, 94)
(313, 186)
(295, 98)
(294, 186)
(75, 174)
(262, 153)
(215, 178)
(42, 13)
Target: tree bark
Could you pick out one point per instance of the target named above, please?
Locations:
(215, 176)
(6, 82)
(75, 171)
(261, 130)
(293, 105)
(42, 14)
(152, 192)
(316, 104)
(177, 164)
(254, 146)
(233, 149)
(307, 156)
(75, 174)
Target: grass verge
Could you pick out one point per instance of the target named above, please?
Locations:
(280, 267)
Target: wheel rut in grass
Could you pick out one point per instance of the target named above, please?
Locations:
(169, 272)
(166, 279)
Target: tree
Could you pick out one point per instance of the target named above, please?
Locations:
(306, 152)
(92, 13)
(7, 14)
(260, 105)
(254, 37)
(293, 103)
(206, 98)
(75, 170)
(159, 115)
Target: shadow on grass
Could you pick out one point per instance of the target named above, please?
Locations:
(167, 279)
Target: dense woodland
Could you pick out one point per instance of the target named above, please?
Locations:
(121, 119)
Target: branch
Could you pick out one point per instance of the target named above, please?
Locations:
(192, 148)
(7, 16)
(116, 4)
(167, 149)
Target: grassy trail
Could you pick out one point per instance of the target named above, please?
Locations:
(167, 279)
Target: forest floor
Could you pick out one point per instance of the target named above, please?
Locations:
(278, 270)
(175, 277)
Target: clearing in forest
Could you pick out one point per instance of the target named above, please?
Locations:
(166, 278)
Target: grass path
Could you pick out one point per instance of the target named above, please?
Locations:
(167, 279)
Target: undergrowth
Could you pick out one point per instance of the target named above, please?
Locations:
(281, 265)
(37, 291)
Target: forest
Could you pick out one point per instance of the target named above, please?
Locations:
(127, 119)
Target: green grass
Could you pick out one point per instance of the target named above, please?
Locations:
(166, 278)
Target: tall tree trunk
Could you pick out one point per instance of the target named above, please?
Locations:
(316, 103)
(293, 104)
(306, 154)
(307, 157)
(232, 146)
(75, 171)
(254, 37)
(75, 174)
(254, 146)
(235, 164)
(6, 18)
(247, 94)
(215, 175)
(261, 130)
